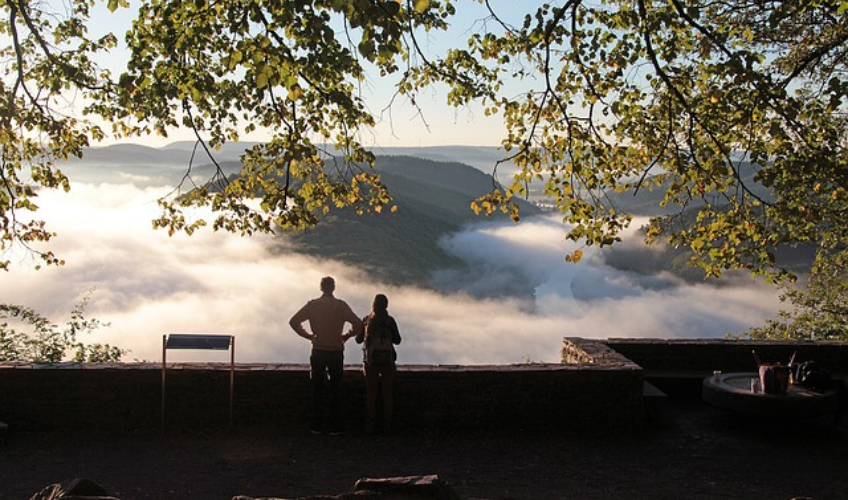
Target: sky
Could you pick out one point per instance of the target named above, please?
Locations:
(147, 284)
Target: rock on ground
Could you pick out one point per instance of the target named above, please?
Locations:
(394, 488)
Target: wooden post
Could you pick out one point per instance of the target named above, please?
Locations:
(232, 374)
(164, 355)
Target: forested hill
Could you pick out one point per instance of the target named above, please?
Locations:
(795, 258)
(648, 202)
(433, 200)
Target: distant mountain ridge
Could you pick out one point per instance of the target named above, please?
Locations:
(179, 152)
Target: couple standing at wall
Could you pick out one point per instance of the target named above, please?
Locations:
(378, 332)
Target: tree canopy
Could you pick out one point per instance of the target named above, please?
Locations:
(46, 61)
(596, 97)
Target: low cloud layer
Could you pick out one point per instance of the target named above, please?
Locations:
(148, 284)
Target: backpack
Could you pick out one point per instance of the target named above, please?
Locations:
(378, 342)
(810, 375)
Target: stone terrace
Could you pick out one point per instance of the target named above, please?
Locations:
(600, 385)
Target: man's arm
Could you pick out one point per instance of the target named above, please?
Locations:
(360, 337)
(296, 322)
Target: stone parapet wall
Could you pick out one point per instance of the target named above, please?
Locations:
(127, 396)
(700, 357)
(580, 351)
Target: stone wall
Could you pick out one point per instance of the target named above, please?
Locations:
(678, 366)
(603, 393)
(700, 357)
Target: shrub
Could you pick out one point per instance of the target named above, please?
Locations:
(27, 335)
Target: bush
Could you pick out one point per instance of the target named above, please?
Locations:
(39, 340)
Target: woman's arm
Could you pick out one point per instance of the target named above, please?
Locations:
(360, 335)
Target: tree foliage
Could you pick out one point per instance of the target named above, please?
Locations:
(818, 309)
(596, 97)
(225, 68)
(26, 335)
(47, 60)
(630, 95)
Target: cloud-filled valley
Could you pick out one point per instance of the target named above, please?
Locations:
(148, 284)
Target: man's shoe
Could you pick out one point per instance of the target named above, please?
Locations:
(336, 432)
(315, 430)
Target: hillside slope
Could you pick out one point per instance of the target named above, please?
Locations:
(795, 258)
(433, 200)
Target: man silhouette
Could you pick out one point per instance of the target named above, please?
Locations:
(327, 316)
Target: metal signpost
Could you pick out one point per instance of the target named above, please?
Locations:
(215, 342)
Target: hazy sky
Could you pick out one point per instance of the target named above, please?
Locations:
(148, 284)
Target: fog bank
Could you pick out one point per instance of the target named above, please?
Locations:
(148, 284)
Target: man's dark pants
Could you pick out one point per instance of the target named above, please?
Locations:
(327, 369)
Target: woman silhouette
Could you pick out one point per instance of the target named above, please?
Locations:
(379, 336)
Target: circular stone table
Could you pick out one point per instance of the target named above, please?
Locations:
(732, 391)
